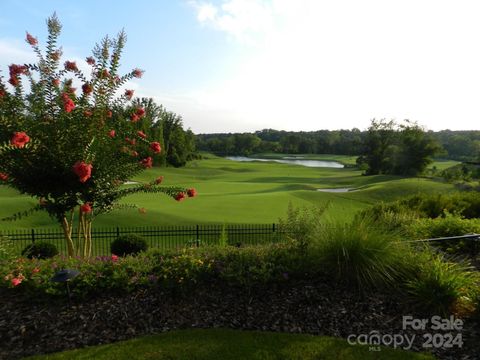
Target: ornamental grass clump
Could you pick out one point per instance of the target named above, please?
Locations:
(442, 287)
(362, 255)
(73, 148)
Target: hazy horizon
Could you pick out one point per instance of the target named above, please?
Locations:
(259, 130)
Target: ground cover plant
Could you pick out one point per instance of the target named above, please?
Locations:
(225, 344)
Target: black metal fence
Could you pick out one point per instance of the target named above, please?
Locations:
(177, 237)
(469, 243)
(161, 237)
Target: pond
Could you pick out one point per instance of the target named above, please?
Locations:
(292, 161)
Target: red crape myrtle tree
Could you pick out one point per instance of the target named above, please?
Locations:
(74, 148)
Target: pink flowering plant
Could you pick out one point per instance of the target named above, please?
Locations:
(106, 274)
(73, 148)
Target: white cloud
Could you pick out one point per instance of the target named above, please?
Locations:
(320, 64)
(14, 52)
(245, 20)
(206, 12)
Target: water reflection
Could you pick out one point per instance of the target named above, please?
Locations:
(290, 160)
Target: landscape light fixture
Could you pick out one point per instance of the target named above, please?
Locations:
(64, 276)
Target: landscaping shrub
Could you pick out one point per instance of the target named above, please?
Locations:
(301, 224)
(362, 254)
(357, 254)
(464, 204)
(223, 238)
(256, 265)
(245, 267)
(391, 217)
(6, 248)
(450, 225)
(128, 245)
(442, 287)
(40, 250)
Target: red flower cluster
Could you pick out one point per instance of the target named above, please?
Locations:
(56, 82)
(130, 141)
(141, 134)
(140, 112)
(71, 66)
(192, 192)
(82, 170)
(2, 93)
(16, 281)
(129, 94)
(86, 208)
(56, 55)
(114, 258)
(109, 114)
(137, 114)
(87, 113)
(147, 162)
(180, 196)
(111, 133)
(90, 60)
(19, 139)
(105, 73)
(14, 71)
(3, 176)
(155, 147)
(87, 89)
(68, 104)
(31, 40)
(137, 73)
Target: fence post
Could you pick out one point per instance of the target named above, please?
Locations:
(198, 236)
(118, 232)
(33, 235)
(273, 227)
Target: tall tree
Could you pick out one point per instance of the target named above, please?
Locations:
(376, 152)
(74, 151)
(390, 148)
(416, 148)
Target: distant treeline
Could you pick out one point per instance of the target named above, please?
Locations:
(166, 127)
(455, 145)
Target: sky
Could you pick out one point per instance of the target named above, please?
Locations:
(246, 65)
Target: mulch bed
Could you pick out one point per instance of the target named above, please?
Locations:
(28, 328)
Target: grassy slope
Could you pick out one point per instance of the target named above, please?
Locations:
(230, 345)
(240, 192)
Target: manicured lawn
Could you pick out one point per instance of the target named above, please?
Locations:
(232, 345)
(241, 192)
(441, 164)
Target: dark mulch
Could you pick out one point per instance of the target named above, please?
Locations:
(28, 328)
